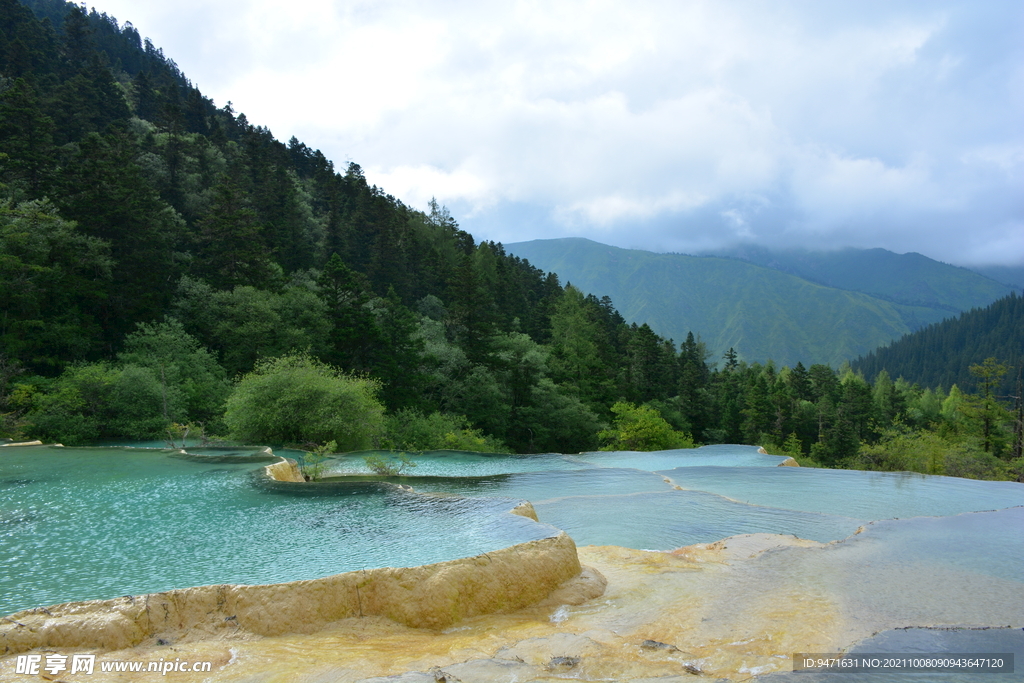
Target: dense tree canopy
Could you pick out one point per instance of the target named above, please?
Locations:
(155, 248)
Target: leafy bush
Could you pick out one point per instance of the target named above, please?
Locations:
(791, 447)
(136, 404)
(411, 430)
(556, 423)
(97, 400)
(298, 399)
(193, 385)
(641, 428)
(389, 468)
(312, 465)
(929, 452)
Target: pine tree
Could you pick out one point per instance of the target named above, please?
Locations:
(26, 137)
(985, 408)
(230, 241)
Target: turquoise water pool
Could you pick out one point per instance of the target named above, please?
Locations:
(83, 523)
(78, 524)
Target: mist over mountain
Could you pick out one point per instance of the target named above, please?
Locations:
(1008, 275)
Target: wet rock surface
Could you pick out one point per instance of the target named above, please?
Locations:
(430, 596)
(732, 610)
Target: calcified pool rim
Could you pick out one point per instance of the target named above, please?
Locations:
(740, 583)
(430, 596)
(207, 611)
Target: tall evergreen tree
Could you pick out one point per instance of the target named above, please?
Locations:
(230, 241)
(26, 138)
(105, 192)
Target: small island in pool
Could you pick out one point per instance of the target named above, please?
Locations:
(712, 560)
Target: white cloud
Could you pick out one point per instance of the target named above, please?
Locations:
(419, 184)
(662, 119)
(1003, 245)
(829, 185)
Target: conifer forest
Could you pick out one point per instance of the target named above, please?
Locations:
(168, 265)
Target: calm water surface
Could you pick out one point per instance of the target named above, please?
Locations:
(82, 523)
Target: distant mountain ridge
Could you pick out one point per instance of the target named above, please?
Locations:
(909, 278)
(1008, 275)
(765, 312)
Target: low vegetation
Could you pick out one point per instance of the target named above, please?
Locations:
(314, 460)
(294, 399)
(164, 261)
(389, 467)
(641, 428)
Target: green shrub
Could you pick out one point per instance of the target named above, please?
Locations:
(641, 428)
(193, 386)
(411, 430)
(389, 468)
(312, 465)
(793, 448)
(96, 400)
(298, 399)
(929, 452)
(136, 404)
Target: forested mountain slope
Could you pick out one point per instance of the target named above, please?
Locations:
(942, 354)
(166, 265)
(131, 197)
(903, 278)
(1009, 275)
(761, 312)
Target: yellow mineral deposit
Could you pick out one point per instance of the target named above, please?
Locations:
(284, 469)
(731, 609)
(431, 596)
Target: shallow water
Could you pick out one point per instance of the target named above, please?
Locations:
(852, 493)
(987, 543)
(617, 506)
(719, 455)
(78, 524)
(671, 519)
(103, 522)
(465, 464)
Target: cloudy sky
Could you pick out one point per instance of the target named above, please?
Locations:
(671, 126)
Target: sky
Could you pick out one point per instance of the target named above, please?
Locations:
(671, 126)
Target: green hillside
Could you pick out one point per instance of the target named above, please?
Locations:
(168, 268)
(903, 278)
(1009, 275)
(761, 312)
(942, 354)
